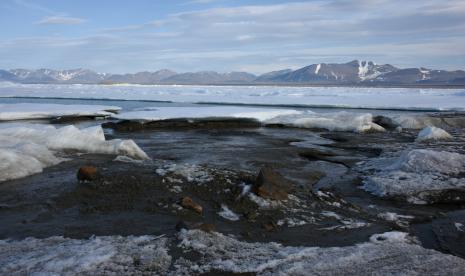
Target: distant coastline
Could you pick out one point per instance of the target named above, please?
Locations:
(352, 74)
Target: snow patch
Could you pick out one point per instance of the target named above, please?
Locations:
(363, 68)
(317, 69)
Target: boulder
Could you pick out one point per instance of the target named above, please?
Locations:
(188, 203)
(271, 185)
(87, 173)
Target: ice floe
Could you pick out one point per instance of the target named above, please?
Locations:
(432, 133)
(22, 111)
(27, 149)
(420, 176)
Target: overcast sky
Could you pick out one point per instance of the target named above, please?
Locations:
(225, 35)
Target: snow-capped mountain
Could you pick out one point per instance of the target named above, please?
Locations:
(57, 76)
(352, 73)
(366, 72)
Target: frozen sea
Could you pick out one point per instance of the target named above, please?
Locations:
(348, 97)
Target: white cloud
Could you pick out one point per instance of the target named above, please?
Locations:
(60, 20)
(261, 38)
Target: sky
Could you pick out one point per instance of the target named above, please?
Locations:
(256, 36)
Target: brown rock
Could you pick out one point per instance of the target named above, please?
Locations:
(270, 184)
(270, 226)
(207, 227)
(87, 173)
(188, 203)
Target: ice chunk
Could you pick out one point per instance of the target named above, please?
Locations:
(23, 111)
(27, 149)
(420, 176)
(227, 213)
(433, 133)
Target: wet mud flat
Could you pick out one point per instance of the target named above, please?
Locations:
(297, 187)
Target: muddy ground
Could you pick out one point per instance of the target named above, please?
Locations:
(216, 166)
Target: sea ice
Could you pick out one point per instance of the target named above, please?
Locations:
(202, 112)
(354, 97)
(22, 111)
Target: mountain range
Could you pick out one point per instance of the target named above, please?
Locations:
(352, 73)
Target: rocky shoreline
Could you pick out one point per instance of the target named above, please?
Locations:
(246, 184)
